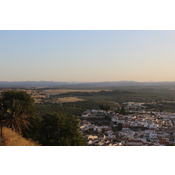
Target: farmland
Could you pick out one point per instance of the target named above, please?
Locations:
(113, 96)
(63, 91)
(63, 100)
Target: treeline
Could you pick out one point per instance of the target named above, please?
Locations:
(72, 94)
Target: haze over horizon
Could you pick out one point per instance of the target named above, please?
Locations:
(87, 56)
(90, 81)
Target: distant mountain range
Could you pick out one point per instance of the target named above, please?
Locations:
(33, 84)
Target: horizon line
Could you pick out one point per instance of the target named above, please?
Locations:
(90, 81)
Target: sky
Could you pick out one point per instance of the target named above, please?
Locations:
(87, 56)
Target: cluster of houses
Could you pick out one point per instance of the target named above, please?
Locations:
(104, 137)
(96, 113)
(134, 105)
(149, 129)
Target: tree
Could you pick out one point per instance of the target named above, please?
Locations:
(16, 115)
(107, 117)
(120, 126)
(34, 128)
(104, 107)
(18, 118)
(161, 108)
(103, 131)
(21, 96)
(122, 111)
(59, 129)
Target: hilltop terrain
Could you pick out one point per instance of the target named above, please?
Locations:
(41, 84)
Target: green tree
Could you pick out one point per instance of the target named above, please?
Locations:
(161, 108)
(104, 107)
(34, 128)
(120, 126)
(59, 129)
(122, 111)
(103, 131)
(21, 96)
(19, 110)
(107, 117)
(16, 115)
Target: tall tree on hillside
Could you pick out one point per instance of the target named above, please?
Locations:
(16, 114)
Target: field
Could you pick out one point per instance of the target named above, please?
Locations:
(64, 100)
(75, 108)
(126, 94)
(41, 96)
(63, 91)
(109, 95)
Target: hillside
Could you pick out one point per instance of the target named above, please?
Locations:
(41, 84)
(12, 138)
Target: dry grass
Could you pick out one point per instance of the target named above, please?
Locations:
(62, 91)
(64, 100)
(12, 138)
(69, 99)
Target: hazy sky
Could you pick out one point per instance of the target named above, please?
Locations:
(87, 56)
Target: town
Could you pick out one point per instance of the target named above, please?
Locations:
(141, 128)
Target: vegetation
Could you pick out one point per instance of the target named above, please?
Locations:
(80, 93)
(120, 126)
(58, 129)
(57, 124)
(12, 138)
(16, 115)
(160, 107)
(49, 129)
(74, 108)
(122, 111)
(17, 109)
(34, 129)
(55, 129)
(21, 96)
(104, 107)
(99, 122)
